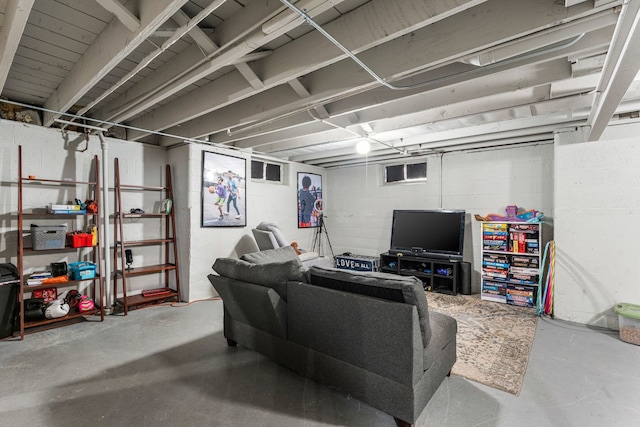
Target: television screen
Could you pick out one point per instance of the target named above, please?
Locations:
(432, 232)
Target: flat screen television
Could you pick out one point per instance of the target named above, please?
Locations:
(428, 233)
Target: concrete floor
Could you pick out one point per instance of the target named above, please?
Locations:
(171, 366)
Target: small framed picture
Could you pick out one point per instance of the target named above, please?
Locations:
(310, 203)
(223, 190)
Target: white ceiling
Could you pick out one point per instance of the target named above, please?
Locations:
(443, 75)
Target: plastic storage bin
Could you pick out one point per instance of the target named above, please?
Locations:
(629, 322)
(79, 240)
(48, 237)
(82, 270)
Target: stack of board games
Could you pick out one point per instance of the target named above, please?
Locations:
(510, 262)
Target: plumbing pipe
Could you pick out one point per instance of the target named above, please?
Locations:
(106, 274)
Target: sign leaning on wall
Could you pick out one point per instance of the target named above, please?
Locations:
(223, 190)
(309, 200)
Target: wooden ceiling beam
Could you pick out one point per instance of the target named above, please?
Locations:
(125, 16)
(15, 19)
(620, 69)
(462, 35)
(112, 46)
(237, 37)
(517, 85)
(363, 28)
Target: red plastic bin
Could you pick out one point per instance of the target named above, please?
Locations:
(79, 240)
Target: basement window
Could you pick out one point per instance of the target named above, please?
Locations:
(409, 172)
(266, 171)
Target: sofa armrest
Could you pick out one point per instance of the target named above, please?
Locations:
(377, 335)
(257, 306)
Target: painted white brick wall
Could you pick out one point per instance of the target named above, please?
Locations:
(596, 185)
(52, 154)
(597, 218)
(361, 207)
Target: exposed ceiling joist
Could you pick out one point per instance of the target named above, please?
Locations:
(463, 34)
(499, 90)
(302, 92)
(383, 22)
(185, 28)
(229, 32)
(209, 47)
(412, 77)
(620, 69)
(15, 18)
(125, 16)
(110, 48)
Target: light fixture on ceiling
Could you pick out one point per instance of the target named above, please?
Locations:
(366, 127)
(363, 147)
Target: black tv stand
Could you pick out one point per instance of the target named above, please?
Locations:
(437, 274)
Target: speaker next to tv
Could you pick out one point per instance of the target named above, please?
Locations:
(465, 270)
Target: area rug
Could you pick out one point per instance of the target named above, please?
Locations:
(494, 340)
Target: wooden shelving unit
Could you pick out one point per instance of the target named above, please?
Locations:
(26, 183)
(169, 263)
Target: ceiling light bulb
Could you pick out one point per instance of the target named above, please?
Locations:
(363, 147)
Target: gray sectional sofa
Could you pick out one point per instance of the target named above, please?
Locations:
(370, 335)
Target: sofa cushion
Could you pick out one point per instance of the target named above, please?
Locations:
(277, 233)
(286, 253)
(273, 275)
(405, 289)
(443, 329)
(260, 307)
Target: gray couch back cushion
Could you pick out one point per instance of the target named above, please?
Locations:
(286, 253)
(273, 275)
(277, 233)
(258, 306)
(405, 289)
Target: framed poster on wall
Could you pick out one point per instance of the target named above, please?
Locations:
(223, 190)
(309, 199)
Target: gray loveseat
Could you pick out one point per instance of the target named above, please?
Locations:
(370, 335)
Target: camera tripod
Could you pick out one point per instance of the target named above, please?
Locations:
(317, 239)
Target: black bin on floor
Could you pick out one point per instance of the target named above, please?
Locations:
(8, 308)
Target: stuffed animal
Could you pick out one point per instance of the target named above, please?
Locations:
(295, 247)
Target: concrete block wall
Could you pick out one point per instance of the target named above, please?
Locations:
(597, 206)
(581, 186)
(361, 207)
(52, 154)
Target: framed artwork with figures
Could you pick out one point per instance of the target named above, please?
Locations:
(223, 190)
(310, 201)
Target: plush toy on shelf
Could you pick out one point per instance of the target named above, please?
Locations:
(513, 213)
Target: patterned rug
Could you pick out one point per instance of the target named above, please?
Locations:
(494, 340)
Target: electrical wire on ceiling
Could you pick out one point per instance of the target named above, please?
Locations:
(241, 129)
(385, 83)
(351, 55)
(111, 124)
(356, 134)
